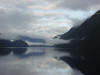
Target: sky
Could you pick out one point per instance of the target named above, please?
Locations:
(43, 18)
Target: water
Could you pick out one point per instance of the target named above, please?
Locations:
(36, 61)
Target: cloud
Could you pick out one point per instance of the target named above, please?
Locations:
(42, 18)
(15, 22)
(57, 41)
(77, 4)
(12, 20)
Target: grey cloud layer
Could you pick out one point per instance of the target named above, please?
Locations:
(77, 4)
(41, 18)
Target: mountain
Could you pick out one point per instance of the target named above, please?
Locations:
(17, 46)
(34, 40)
(5, 43)
(67, 35)
(20, 46)
(85, 46)
(84, 29)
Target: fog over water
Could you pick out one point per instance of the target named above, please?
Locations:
(36, 61)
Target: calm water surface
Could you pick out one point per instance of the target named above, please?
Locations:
(36, 61)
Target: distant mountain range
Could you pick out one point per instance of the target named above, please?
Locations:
(27, 38)
(34, 40)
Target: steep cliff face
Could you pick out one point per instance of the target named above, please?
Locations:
(86, 44)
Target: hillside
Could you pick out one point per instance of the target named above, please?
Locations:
(84, 29)
(85, 45)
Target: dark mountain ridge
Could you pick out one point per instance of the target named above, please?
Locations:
(84, 29)
(85, 46)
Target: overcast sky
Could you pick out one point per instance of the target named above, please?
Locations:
(43, 18)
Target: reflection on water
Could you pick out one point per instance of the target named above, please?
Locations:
(19, 50)
(15, 50)
(35, 61)
(33, 52)
(4, 51)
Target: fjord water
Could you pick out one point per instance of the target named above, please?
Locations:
(36, 61)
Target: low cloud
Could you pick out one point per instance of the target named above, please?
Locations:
(57, 41)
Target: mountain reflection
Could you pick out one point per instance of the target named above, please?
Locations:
(15, 46)
(32, 53)
(16, 50)
(35, 61)
(5, 51)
